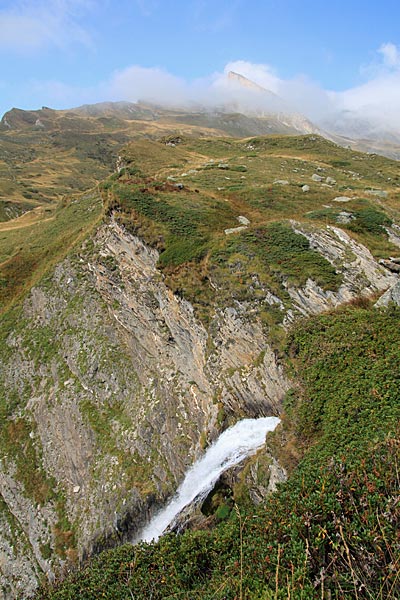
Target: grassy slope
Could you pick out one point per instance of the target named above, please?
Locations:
(72, 153)
(187, 226)
(181, 199)
(31, 246)
(332, 530)
(69, 151)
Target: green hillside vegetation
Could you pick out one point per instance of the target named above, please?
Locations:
(28, 249)
(46, 154)
(330, 531)
(181, 198)
(180, 193)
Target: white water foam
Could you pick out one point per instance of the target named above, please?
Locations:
(232, 446)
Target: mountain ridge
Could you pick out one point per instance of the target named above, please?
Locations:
(269, 114)
(144, 316)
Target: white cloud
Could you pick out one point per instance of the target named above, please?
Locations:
(158, 86)
(377, 99)
(390, 54)
(153, 84)
(29, 26)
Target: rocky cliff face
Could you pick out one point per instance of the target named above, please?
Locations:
(116, 387)
(362, 275)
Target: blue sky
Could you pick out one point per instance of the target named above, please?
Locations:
(62, 53)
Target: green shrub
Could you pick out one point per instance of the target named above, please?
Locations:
(285, 254)
(182, 250)
(369, 220)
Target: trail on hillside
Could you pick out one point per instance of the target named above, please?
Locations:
(26, 220)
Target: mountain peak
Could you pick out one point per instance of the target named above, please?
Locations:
(245, 82)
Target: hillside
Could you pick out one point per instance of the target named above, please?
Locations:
(331, 531)
(44, 154)
(143, 315)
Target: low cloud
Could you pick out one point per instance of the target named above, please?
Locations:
(219, 91)
(391, 55)
(377, 99)
(27, 27)
(151, 84)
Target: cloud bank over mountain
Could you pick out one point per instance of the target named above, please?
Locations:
(376, 99)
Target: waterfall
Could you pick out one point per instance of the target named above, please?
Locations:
(232, 446)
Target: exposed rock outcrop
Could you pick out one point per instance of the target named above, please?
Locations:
(119, 386)
(392, 295)
(362, 275)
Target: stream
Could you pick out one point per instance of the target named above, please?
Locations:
(232, 446)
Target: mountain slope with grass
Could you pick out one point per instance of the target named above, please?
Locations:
(330, 531)
(144, 316)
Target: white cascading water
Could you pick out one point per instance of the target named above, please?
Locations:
(232, 446)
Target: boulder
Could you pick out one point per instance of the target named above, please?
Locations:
(316, 178)
(378, 193)
(306, 188)
(345, 217)
(235, 229)
(341, 199)
(392, 295)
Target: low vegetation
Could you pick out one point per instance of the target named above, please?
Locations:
(28, 249)
(331, 531)
(182, 193)
(181, 196)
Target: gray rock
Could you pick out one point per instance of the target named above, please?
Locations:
(362, 275)
(330, 181)
(390, 264)
(305, 188)
(277, 475)
(341, 199)
(345, 217)
(316, 178)
(235, 229)
(394, 234)
(120, 338)
(378, 193)
(281, 182)
(243, 220)
(392, 295)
